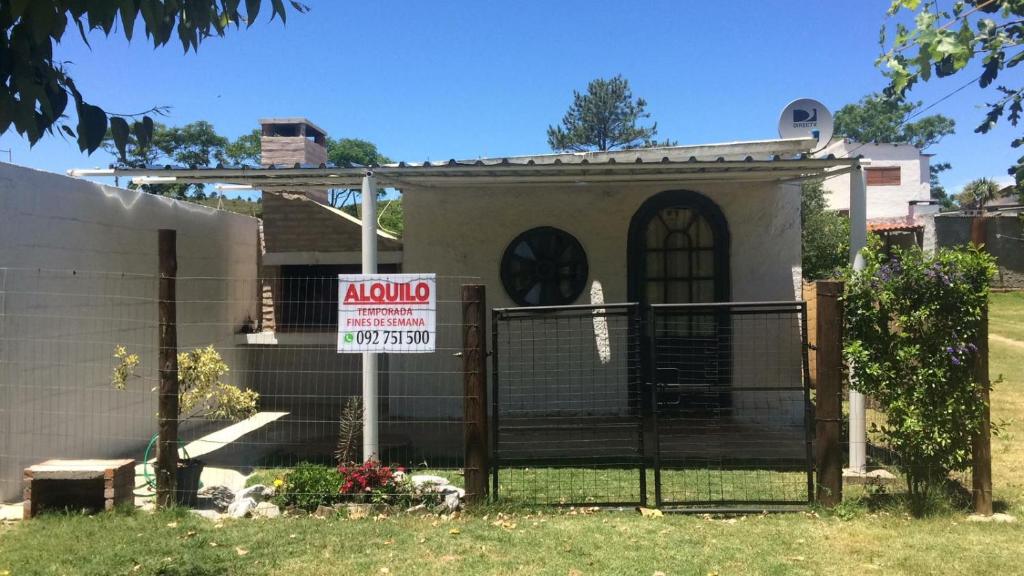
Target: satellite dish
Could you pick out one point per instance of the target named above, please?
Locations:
(806, 118)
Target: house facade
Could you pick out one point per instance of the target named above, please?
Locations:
(711, 224)
(895, 175)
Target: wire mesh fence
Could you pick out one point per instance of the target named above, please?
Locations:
(276, 337)
(710, 402)
(732, 405)
(566, 413)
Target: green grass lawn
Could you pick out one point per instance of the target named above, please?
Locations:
(858, 538)
(1007, 315)
(526, 543)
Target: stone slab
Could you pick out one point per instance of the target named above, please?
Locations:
(76, 469)
(874, 477)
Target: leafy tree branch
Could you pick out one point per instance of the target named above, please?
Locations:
(36, 89)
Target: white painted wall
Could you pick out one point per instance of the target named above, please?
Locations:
(463, 231)
(77, 277)
(882, 201)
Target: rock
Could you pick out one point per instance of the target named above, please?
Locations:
(241, 508)
(452, 501)
(220, 496)
(324, 511)
(257, 492)
(449, 489)
(266, 510)
(359, 511)
(421, 479)
(997, 518)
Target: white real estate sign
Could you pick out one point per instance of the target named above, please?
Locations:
(394, 313)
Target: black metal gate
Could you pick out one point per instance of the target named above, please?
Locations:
(712, 399)
(731, 406)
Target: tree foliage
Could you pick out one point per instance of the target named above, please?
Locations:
(825, 234)
(977, 193)
(877, 118)
(354, 151)
(912, 328)
(346, 151)
(938, 191)
(36, 88)
(942, 43)
(245, 150)
(196, 144)
(605, 118)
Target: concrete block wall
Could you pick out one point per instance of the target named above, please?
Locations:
(78, 265)
(1003, 240)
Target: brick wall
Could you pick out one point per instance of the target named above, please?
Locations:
(291, 150)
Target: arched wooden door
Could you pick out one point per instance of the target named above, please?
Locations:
(679, 254)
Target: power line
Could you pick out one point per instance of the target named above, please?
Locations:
(919, 112)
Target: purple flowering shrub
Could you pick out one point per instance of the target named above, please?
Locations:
(911, 331)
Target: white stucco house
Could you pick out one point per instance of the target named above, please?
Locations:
(895, 174)
(706, 223)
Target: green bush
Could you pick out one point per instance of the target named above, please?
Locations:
(912, 325)
(825, 234)
(309, 486)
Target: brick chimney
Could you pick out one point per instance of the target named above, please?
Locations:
(285, 142)
(290, 141)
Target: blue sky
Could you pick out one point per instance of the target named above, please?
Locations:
(467, 79)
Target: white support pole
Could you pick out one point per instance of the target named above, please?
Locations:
(371, 446)
(858, 240)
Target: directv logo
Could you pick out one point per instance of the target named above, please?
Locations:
(805, 119)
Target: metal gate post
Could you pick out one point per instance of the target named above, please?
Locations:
(650, 333)
(639, 327)
(495, 458)
(808, 417)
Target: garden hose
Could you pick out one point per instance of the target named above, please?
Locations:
(150, 482)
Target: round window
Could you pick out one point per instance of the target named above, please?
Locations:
(544, 266)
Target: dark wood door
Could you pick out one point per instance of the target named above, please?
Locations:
(679, 255)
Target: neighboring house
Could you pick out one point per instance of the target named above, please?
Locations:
(895, 174)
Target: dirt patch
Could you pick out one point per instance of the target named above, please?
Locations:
(1005, 340)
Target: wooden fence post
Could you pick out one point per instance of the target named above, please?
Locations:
(474, 378)
(167, 406)
(981, 447)
(828, 412)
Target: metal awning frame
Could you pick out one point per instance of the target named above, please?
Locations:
(481, 174)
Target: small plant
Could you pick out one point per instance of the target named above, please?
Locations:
(350, 431)
(309, 486)
(201, 394)
(370, 477)
(125, 369)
